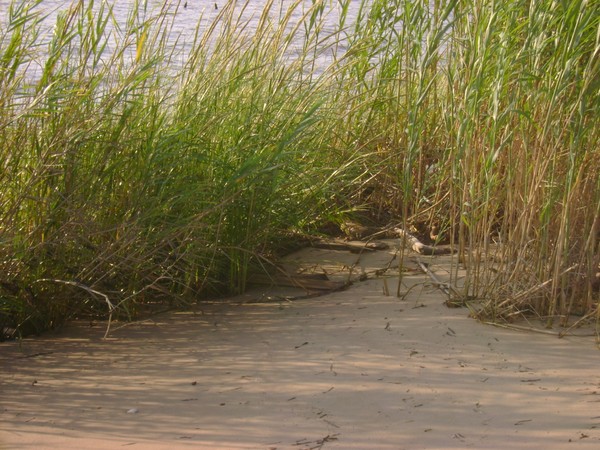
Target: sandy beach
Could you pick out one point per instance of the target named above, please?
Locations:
(355, 369)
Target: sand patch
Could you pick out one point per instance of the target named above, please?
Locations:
(354, 369)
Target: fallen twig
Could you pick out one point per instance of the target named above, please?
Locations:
(536, 330)
(444, 287)
(111, 307)
(587, 316)
(521, 295)
(521, 328)
(306, 282)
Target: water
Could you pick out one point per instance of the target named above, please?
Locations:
(189, 15)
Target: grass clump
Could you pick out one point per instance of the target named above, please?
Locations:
(138, 168)
(142, 183)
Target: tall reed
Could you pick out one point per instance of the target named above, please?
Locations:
(525, 96)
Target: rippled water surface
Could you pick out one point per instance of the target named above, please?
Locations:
(188, 16)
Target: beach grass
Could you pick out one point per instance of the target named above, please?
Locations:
(139, 171)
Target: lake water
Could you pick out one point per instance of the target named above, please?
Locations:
(188, 15)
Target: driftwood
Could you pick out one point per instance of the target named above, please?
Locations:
(417, 246)
(320, 282)
(356, 231)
